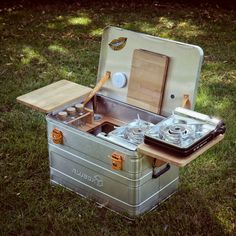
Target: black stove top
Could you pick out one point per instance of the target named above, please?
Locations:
(184, 132)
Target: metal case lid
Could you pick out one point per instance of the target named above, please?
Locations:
(117, 49)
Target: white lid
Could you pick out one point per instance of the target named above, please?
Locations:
(119, 80)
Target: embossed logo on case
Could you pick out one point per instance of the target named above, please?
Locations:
(96, 179)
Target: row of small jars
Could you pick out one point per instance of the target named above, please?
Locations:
(70, 112)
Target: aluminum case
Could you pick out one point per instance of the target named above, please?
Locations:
(83, 163)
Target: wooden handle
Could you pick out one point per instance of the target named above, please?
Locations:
(98, 87)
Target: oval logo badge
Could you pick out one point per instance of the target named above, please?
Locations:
(118, 44)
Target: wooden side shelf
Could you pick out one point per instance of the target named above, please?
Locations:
(93, 125)
(160, 154)
(54, 96)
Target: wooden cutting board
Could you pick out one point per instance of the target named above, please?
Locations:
(147, 80)
(53, 96)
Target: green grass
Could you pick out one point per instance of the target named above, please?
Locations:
(43, 44)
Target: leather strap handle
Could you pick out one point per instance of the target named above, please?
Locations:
(186, 102)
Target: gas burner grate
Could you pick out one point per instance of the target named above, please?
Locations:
(133, 132)
(184, 131)
(176, 133)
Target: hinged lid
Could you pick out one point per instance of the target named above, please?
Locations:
(176, 66)
(54, 96)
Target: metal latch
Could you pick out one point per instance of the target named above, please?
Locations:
(116, 161)
(57, 136)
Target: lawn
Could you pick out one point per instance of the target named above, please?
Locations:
(43, 44)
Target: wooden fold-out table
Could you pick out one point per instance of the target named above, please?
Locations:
(162, 155)
(54, 96)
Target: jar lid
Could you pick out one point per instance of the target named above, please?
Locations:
(71, 110)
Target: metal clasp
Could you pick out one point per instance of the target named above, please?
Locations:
(57, 136)
(117, 160)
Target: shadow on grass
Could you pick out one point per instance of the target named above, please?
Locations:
(187, 210)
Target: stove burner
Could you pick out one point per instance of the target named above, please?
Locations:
(177, 129)
(133, 132)
(184, 131)
(176, 133)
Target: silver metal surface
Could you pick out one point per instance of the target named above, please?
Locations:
(123, 111)
(183, 70)
(183, 128)
(118, 141)
(83, 163)
(133, 192)
(129, 135)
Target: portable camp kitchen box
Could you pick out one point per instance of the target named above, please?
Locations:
(150, 77)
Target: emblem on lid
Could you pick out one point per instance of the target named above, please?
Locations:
(118, 44)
